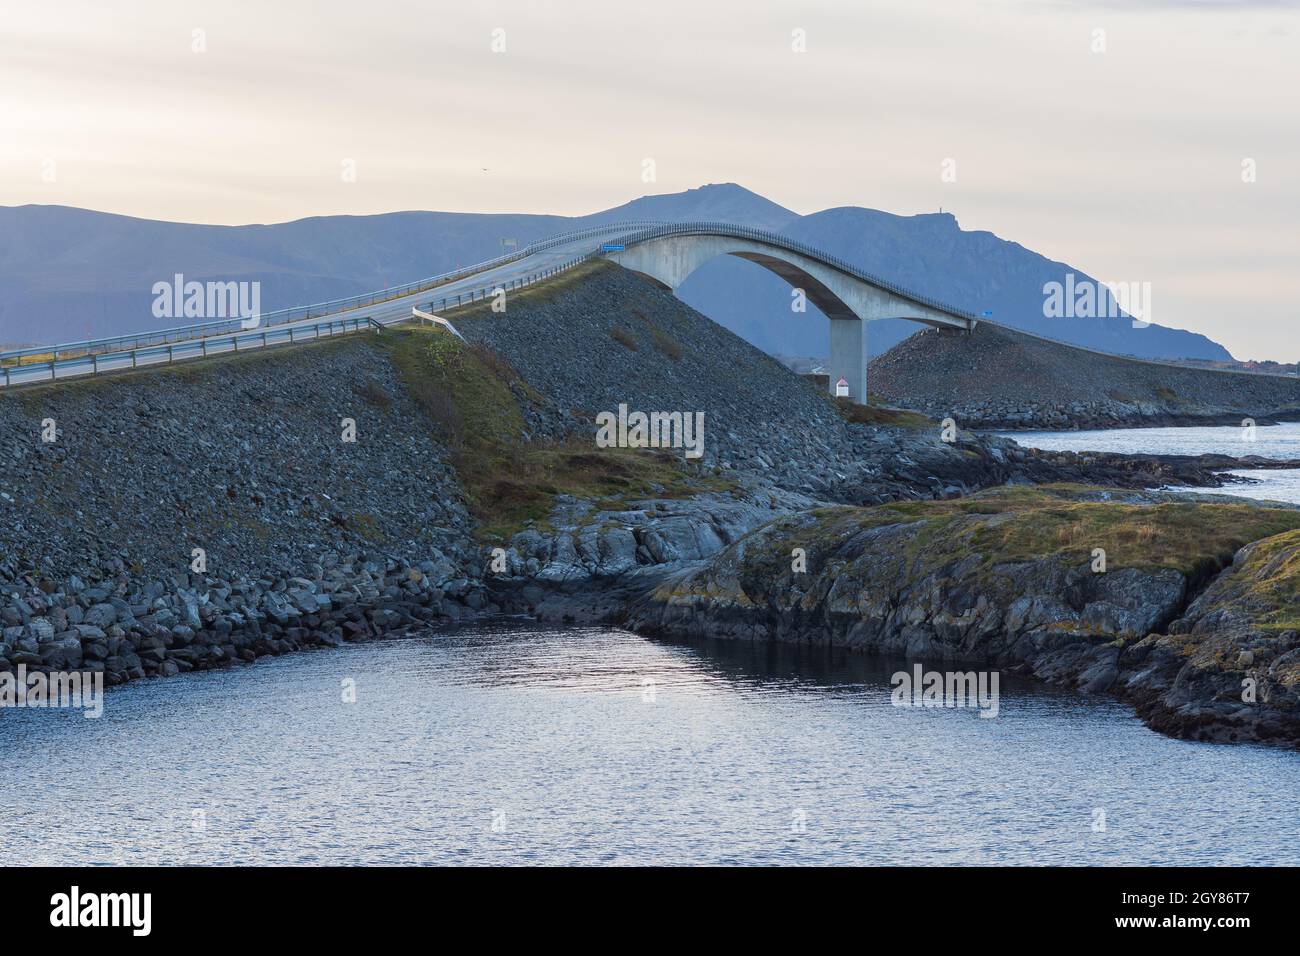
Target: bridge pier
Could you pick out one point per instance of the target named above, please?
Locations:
(849, 357)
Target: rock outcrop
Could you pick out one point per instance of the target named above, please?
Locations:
(1011, 580)
(1229, 668)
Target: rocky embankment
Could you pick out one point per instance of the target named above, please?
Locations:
(129, 630)
(1009, 579)
(606, 337)
(996, 377)
(302, 537)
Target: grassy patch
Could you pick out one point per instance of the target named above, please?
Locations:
(1023, 523)
(666, 344)
(876, 414)
(1196, 539)
(1268, 583)
(459, 388)
(1033, 522)
(467, 392)
(624, 338)
(373, 393)
(661, 340)
(363, 524)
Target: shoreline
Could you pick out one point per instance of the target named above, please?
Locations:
(1123, 634)
(126, 635)
(1053, 424)
(1190, 631)
(129, 628)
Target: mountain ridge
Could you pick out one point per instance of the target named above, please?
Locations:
(84, 273)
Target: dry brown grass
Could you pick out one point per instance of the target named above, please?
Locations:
(666, 344)
(879, 415)
(625, 338)
(372, 392)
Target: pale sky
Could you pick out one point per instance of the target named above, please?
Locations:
(1127, 162)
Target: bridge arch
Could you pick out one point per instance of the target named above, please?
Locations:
(850, 298)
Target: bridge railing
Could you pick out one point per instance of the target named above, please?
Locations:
(662, 230)
(148, 355)
(243, 341)
(36, 354)
(460, 299)
(629, 233)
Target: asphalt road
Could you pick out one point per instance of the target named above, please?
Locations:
(345, 320)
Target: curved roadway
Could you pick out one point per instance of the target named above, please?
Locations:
(534, 259)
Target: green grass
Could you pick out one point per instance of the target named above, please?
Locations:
(468, 394)
(1022, 523)
(879, 414)
(1268, 583)
(374, 394)
(468, 403)
(1196, 539)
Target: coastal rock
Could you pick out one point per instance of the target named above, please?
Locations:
(62, 653)
(928, 582)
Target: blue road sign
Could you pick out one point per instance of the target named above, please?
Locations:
(612, 247)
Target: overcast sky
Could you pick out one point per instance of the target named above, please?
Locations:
(1126, 162)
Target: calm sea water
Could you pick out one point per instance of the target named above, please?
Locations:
(513, 744)
(1273, 441)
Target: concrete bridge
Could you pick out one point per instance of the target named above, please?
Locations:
(665, 253)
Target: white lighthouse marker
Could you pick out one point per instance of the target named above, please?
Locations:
(842, 388)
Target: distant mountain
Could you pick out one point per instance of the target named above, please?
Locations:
(70, 273)
(725, 202)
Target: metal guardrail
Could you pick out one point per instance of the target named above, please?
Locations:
(145, 356)
(153, 354)
(634, 231)
(132, 341)
(146, 351)
(481, 294)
